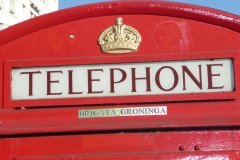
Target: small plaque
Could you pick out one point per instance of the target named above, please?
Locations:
(113, 112)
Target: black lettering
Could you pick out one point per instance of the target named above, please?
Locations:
(123, 111)
(135, 111)
(129, 111)
(156, 110)
(163, 110)
(141, 110)
(151, 110)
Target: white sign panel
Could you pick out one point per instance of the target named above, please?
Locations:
(150, 78)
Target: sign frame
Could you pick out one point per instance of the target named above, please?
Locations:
(8, 65)
(54, 116)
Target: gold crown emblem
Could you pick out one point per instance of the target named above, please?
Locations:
(119, 38)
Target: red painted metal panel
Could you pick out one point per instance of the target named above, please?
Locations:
(171, 32)
(145, 156)
(180, 115)
(153, 7)
(210, 144)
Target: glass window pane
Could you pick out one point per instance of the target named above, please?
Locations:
(11, 6)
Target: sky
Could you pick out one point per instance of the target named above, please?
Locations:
(232, 6)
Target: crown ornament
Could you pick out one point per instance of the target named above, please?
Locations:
(119, 38)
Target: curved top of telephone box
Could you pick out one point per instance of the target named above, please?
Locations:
(153, 7)
(79, 58)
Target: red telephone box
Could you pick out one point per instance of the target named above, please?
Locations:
(121, 80)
